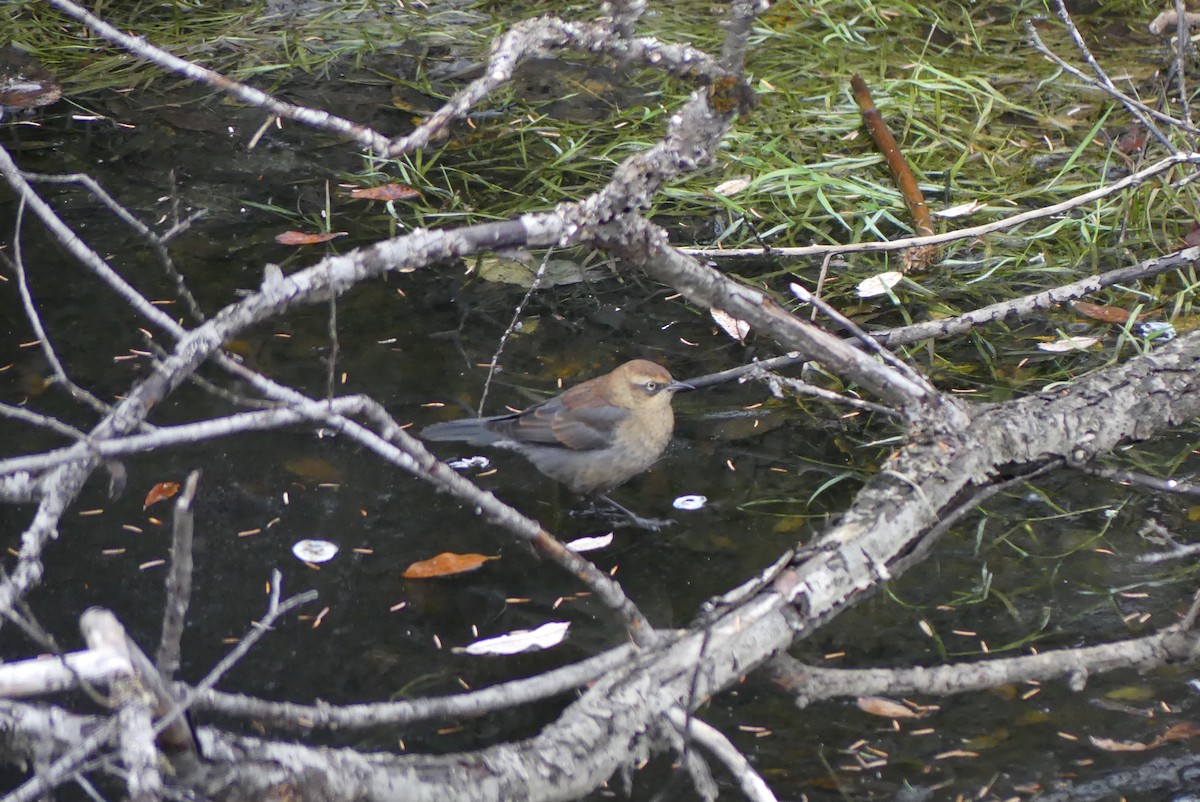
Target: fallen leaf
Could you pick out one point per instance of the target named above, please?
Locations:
(732, 187)
(582, 544)
(879, 284)
(1109, 745)
(961, 210)
(1133, 139)
(879, 706)
(1069, 344)
(521, 640)
(734, 327)
(1109, 314)
(386, 192)
(558, 272)
(162, 490)
(300, 238)
(446, 564)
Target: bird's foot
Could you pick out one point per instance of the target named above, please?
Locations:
(632, 518)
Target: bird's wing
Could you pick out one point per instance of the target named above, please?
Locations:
(575, 420)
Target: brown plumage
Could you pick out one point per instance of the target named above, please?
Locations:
(594, 436)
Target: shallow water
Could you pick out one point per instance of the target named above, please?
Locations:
(1047, 567)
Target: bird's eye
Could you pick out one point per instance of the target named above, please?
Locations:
(651, 386)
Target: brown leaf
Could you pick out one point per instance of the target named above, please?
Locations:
(446, 564)
(386, 192)
(1109, 314)
(300, 238)
(878, 706)
(1192, 238)
(1180, 731)
(1133, 139)
(162, 490)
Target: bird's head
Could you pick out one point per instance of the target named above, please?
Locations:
(642, 384)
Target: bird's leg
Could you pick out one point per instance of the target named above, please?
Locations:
(653, 524)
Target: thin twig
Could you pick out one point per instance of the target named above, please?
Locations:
(193, 72)
(494, 364)
(45, 421)
(275, 609)
(869, 342)
(1183, 43)
(1141, 112)
(61, 770)
(503, 696)
(1140, 480)
(776, 383)
(156, 241)
(35, 320)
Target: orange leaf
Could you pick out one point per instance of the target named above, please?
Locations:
(1109, 314)
(160, 491)
(446, 564)
(300, 238)
(386, 192)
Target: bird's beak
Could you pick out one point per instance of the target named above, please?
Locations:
(678, 386)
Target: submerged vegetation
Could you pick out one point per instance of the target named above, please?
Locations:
(990, 126)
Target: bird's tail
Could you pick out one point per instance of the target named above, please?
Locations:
(466, 430)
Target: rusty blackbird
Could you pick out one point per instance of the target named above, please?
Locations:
(593, 437)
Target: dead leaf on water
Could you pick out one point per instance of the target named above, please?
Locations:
(558, 272)
(734, 327)
(446, 564)
(302, 238)
(161, 491)
(1068, 344)
(732, 187)
(520, 640)
(1110, 745)
(879, 284)
(886, 708)
(961, 210)
(1109, 314)
(386, 192)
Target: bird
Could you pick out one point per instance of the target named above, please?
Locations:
(592, 438)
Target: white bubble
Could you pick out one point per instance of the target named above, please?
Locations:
(689, 502)
(466, 463)
(314, 551)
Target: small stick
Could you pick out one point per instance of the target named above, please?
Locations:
(179, 581)
(921, 257)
